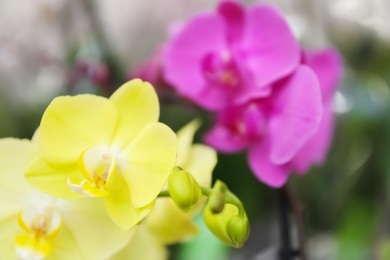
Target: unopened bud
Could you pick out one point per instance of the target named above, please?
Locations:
(237, 229)
(216, 200)
(184, 189)
(230, 223)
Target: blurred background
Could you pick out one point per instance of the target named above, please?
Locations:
(55, 47)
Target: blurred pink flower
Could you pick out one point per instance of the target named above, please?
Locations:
(328, 67)
(273, 129)
(230, 56)
(289, 130)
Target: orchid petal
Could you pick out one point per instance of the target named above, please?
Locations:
(78, 216)
(53, 179)
(270, 47)
(185, 137)
(65, 246)
(15, 155)
(119, 205)
(315, 150)
(143, 245)
(169, 224)
(297, 114)
(328, 67)
(224, 140)
(149, 160)
(64, 133)
(213, 98)
(8, 226)
(137, 105)
(183, 56)
(234, 15)
(263, 168)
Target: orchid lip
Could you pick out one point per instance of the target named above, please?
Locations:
(41, 224)
(98, 167)
(220, 69)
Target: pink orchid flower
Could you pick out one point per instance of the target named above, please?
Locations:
(328, 67)
(230, 56)
(289, 130)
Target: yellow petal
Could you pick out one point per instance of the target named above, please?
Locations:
(8, 229)
(15, 155)
(149, 160)
(34, 138)
(65, 246)
(143, 245)
(95, 234)
(72, 124)
(185, 138)
(200, 163)
(53, 179)
(137, 105)
(169, 224)
(120, 207)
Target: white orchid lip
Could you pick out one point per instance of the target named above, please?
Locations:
(98, 167)
(41, 224)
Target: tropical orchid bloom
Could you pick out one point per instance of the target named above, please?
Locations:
(291, 129)
(167, 224)
(273, 129)
(230, 56)
(37, 226)
(112, 149)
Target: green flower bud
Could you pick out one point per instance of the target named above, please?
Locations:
(237, 229)
(216, 223)
(216, 200)
(225, 216)
(184, 189)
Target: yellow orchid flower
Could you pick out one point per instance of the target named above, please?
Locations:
(167, 224)
(112, 148)
(36, 226)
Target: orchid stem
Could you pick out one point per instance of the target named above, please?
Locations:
(286, 251)
(287, 203)
(297, 210)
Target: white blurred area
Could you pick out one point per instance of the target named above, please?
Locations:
(37, 35)
(134, 28)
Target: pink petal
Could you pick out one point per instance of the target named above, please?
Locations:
(328, 67)
(213, 98)
(296, 115)
(183, 56)
(223, 140)
(250, 92)
(315, 150)
(265, 170)
(271, 50)
(234, 14)
(254, 122)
